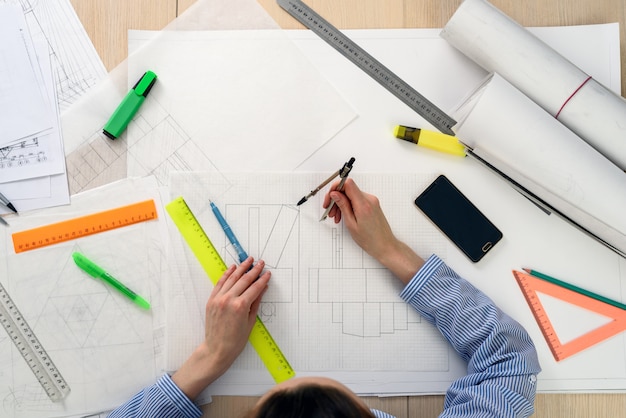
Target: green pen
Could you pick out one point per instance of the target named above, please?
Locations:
(574, 288)
(96, 271)
(129, 106)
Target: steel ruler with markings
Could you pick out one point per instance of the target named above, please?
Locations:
(366, 62)
(214, 267)
(31, 349)
(79, 227)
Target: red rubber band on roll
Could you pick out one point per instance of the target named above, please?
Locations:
(570, 97)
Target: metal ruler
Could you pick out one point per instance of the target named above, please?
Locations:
(83, 226)
(374, 68)
(31, 349)
(214, 267)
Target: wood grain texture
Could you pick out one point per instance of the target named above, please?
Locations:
(107, 22)
(357, 14)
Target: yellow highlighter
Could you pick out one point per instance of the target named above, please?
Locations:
(429, 139)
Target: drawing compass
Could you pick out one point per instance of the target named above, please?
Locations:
(342, 173)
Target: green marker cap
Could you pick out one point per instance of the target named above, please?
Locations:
(126, 111)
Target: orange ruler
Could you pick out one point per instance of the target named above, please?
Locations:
(75, 228)
(531, 285)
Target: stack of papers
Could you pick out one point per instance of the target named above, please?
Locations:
(32, 159)
(104, 346)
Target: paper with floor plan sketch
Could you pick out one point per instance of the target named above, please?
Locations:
(437, 70)
(105, 347)
(331, 308)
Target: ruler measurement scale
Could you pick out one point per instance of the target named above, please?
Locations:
(214, 267)
(370, 65)
(31, 349)
(530, 285)
(83, 226)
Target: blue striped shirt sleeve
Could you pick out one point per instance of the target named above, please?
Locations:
(163, 399)
(380, 414)
(502, 360)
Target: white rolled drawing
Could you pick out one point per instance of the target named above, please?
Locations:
(515, 135)
(500, 45)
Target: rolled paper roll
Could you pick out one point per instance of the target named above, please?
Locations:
(512, 133)
(500, 45)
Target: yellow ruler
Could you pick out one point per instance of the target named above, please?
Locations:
(214, 266)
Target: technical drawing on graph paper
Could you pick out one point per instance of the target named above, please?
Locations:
(21, 153)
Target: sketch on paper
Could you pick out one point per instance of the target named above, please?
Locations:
(172, 133)
(330, 306)
(97, 162)
(101, 160)
(21, 153)
(103, 345)
(75, 62)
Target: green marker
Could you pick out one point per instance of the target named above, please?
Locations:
(129, 106)
(96, 271)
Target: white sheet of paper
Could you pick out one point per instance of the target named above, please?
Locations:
(332, 309)
(27, 189)
(102, 344)
(77, 65)
(251, 90)
(42, 154)
(23, 110)
(93, 159)
(37, 176)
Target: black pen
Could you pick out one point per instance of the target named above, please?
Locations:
(6, 203)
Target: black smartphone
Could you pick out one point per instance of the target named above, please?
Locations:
(458, 218)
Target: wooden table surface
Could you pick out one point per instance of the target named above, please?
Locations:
(107, 21)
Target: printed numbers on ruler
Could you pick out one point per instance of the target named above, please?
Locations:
(214, 266)
(366, 62)
(31, 349)
(51, 234)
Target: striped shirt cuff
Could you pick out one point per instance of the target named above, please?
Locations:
(177, 397)
(423, 275)
(381, 414)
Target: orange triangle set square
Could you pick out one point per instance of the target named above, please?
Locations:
(530, 285)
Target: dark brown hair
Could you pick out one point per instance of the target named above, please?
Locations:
(310, 401)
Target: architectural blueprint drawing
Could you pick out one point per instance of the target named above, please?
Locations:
(76, 64)
(331, 308)
(335, 312)
(21, 153)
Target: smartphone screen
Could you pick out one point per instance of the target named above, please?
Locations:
(458, 218)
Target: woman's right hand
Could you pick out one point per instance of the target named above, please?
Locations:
(366, 222)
